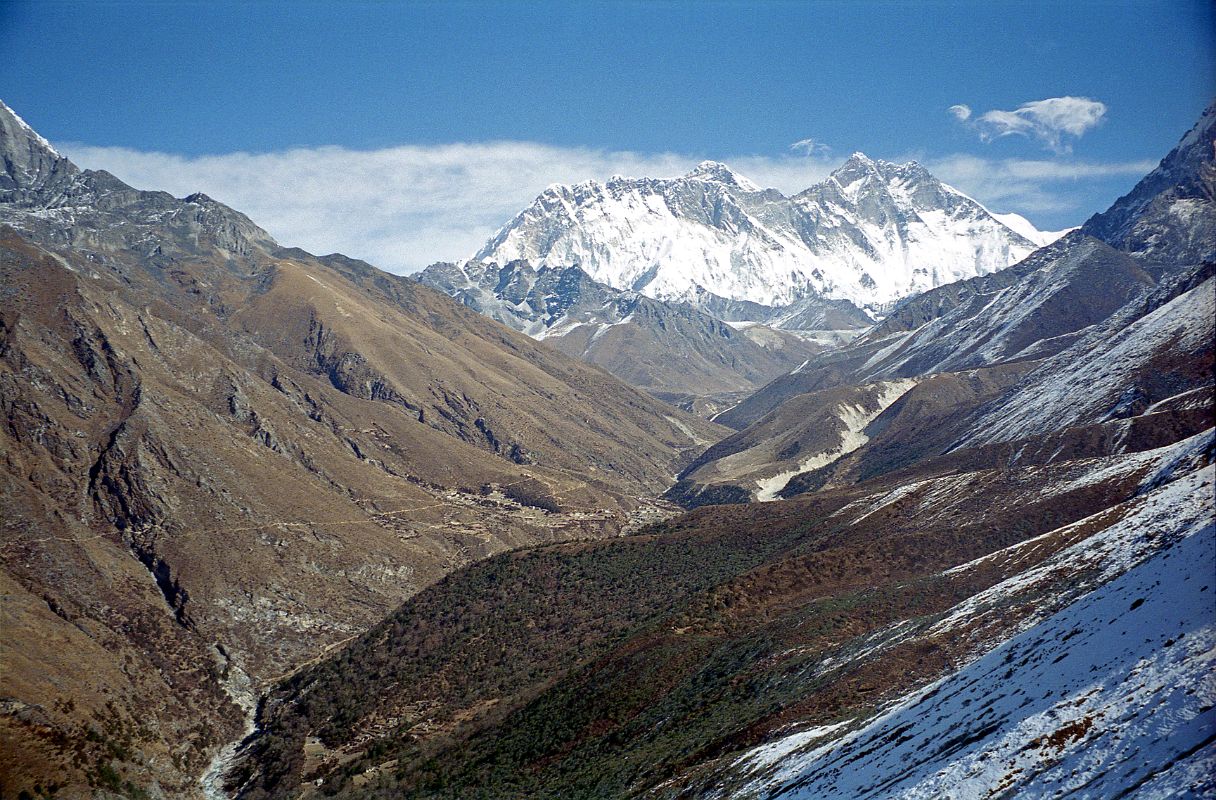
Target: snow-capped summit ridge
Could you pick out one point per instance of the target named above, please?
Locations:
(28, 131)
(709, 167)
(872, 233)
(717, 172)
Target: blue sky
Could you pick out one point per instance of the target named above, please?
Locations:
(369, 118)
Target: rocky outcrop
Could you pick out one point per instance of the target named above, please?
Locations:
(1170, 215)
(664, 348)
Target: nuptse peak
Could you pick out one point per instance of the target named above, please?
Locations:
(873, 232)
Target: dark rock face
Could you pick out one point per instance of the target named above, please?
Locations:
(665, 348)
(92, 211)
(33, 172)
(1170, 215)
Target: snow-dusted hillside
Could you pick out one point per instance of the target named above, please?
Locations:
(1170, 215)
(1112, 692)
(1097, 379)
(872, 233)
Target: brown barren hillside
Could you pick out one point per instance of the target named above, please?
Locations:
(221, 458)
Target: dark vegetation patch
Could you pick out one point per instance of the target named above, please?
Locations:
(690, 494)
(601, 669)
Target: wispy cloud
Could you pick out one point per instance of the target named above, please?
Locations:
(961, 112)
(1032, 186)
(402, 208)
(811, 147)
(1051, 121)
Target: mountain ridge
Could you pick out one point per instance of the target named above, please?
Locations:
(1033, 313)
(947, 601)
(223, 456)
(871, 233)
(668, 349)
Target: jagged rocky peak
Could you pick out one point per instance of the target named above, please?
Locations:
(859, 162)
(860, 167)
(874, 186)
(32, 166)
(85, 203)
(1182, 188)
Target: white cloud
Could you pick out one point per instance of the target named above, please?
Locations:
(1049, 121)
(1031, 186)
(811, 147)
(788, 175)
(402, 208)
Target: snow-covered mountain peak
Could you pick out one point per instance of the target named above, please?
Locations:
(717, 172)
(856, 168)
(860, 165)
(710, 168)
(17, 127)
(876, 189)
(872, 233)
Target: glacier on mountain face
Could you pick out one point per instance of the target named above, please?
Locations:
(872, 233)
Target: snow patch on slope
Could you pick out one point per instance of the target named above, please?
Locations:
(855, 419)
(1114, 691)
